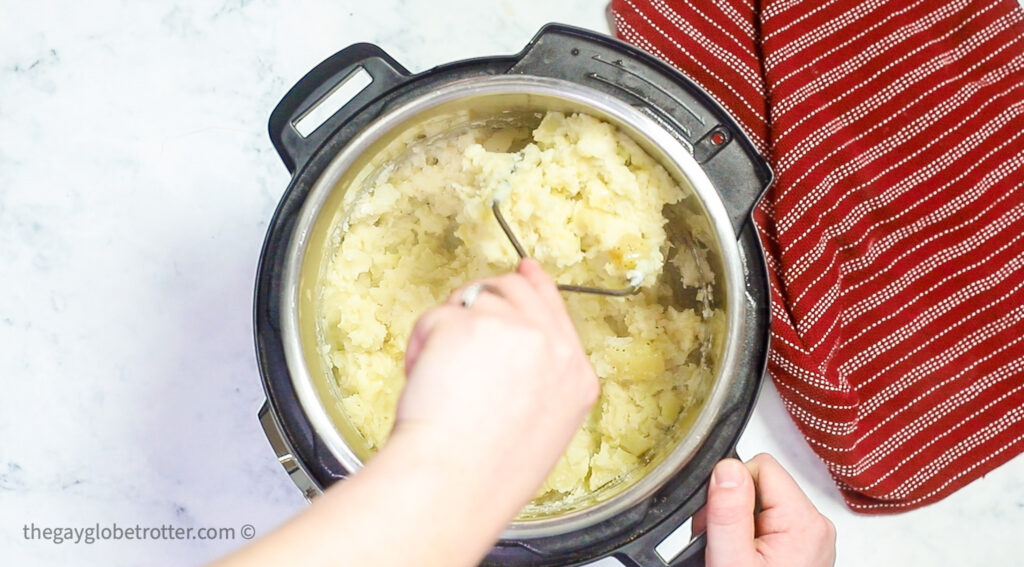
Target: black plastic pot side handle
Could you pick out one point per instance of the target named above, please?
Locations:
(316, 86)
(642, 552)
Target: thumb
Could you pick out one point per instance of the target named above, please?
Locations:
(730, 516)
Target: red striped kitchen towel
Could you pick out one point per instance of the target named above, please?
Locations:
(894, 232)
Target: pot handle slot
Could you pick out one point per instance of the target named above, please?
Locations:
(654, 548)
(327, 97)
(715, 140)
(660, 547)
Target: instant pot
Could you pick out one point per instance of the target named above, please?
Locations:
(564, 69)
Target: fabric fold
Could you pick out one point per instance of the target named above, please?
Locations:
(894, 232)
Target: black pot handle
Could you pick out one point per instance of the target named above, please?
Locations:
(316, 86)
(718, 143)
(641, 552)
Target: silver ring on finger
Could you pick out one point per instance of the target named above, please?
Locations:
(473, 292)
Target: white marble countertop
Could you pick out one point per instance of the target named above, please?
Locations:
(136, 183)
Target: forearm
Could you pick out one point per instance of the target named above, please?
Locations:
(413, 504)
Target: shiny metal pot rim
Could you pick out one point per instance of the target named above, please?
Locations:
(678, 160)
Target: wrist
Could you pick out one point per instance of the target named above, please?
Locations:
(457, 503)
(445, 462)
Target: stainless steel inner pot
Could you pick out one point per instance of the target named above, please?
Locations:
(478, 99)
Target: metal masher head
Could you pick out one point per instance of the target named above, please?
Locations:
(633, 287)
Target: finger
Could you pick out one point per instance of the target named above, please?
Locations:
(556, 308)
(456, 296)
(423, 329)
(730, 516)
(775, 487)
(487, 299)
(517, 291)
(519, 296)
(547, 289)
(539, 279)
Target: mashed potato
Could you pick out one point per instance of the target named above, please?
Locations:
(585, 201)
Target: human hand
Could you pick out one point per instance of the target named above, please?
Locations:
(505, 383)
(789, 531)
(494, 394)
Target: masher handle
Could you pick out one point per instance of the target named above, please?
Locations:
(632, 288)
